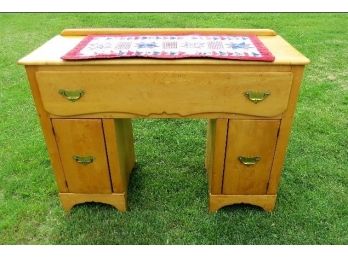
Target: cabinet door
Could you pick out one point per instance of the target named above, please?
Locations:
(249, 156)
(82, 151)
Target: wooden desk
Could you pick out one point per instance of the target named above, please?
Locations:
(86, 107)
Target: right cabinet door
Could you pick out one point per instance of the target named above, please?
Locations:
(249, 155)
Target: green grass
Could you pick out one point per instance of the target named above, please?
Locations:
(168, 191)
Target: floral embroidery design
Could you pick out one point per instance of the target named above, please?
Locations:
(171, 46)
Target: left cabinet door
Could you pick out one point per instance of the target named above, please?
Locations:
(82, 151)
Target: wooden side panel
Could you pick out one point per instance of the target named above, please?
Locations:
(129, 144)
(216, 158)
(249, 138)
(209, 150)
(47, 130)
(83, 138)
(284, 131)
(120, 149)
(208, 145)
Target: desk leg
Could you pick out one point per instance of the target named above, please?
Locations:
(69, 200)
(266, 202)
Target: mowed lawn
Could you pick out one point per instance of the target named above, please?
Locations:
(168, 191)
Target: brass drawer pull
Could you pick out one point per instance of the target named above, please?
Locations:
(248, 161)
(72, 95)
(256, 97)
(83, 159)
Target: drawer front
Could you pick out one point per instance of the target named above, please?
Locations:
(155, 93)
(249, 156)
(82, 152)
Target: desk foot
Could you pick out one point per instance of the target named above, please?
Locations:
(69, 200)
(267, 202)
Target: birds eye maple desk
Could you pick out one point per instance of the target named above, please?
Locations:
(86, 107)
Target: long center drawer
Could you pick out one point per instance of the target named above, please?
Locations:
(146, 93)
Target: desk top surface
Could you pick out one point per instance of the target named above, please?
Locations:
(50, 53)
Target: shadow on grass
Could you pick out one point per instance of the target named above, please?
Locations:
(240, 208)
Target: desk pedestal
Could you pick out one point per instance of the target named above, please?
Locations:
(97, 156)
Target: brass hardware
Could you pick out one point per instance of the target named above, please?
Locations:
(256, 97)
(71, 95)
(83, 159)
(248, 161)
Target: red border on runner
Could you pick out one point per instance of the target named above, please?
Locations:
(72, 55)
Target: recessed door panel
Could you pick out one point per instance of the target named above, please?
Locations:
(249, 156)
(82, 151)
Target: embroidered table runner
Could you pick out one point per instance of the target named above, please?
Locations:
(233, 47)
